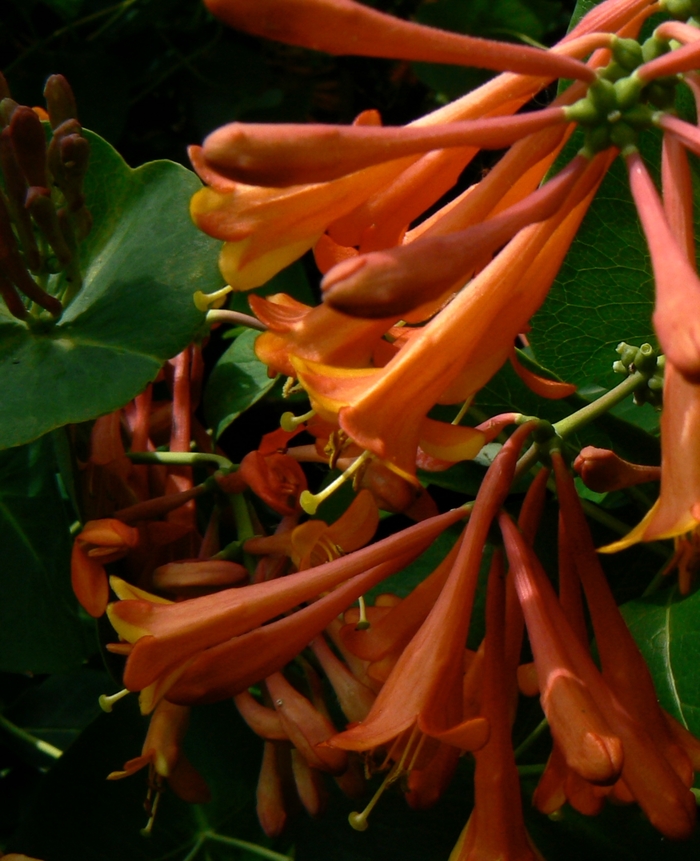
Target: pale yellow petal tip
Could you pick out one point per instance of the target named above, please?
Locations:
(641, 532)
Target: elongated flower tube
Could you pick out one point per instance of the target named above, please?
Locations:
(234, 665)
(677, 312)
(496, 828)
(424, 688)
(620, 745)
(396, 280)
(458, 351)
(622, 663)
(282, 155)
(164, 641)
(589, 743)
(346, 27)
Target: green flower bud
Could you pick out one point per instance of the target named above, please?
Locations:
(627, 92)
(654, 47)
(602, 94)
(584, 112)
(628, 53)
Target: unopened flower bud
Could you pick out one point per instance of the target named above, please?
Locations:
(603, 471)
(29, 142)
(60, 100)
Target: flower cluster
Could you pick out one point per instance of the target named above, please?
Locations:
(418, 312)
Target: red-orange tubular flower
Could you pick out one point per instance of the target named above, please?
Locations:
(346, 27)
(600, 734)
(370, 187)
(424, 689)
(162, 754)
(98, 542)
(167, 636)
(496, 828)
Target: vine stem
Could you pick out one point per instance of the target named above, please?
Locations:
(179, 458)
(566, 426)
(42, 746)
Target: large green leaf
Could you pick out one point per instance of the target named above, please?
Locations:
(604, 292)
(667, 630)
(142, 262)
(236, 383)
(40, 631)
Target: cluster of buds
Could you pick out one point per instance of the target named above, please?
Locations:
(43, 216)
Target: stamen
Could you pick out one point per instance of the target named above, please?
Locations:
(291, 387)
(338, 441)
(311, 501)
(148, 829)
(289, 422)
(359, 820)
(462, 412)
(363, 621)
(205, 301)
(107, 702)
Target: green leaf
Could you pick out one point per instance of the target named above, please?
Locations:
(142, 262)
(604, 292)
(667, 630)
(40, 630)
(236, 383)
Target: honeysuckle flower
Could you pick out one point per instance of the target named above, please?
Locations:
(270, 802)
(475, 333)
(424, 689)
(496, 828)
(98, 543)
(622, 663)
(677, 510)
(162, 754)
(599, 737)
(318, 334)
(265, 229)
(395, 281)
(162, 642)
(315, 541)
(276, 478)
(677, 310)
(346, 27)
(283, 155)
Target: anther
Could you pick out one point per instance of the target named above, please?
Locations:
(205, 301)
(291, 387)
(289, 422)
(311, 501)
(107, 702)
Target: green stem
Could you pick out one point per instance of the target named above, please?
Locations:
(262, 851)
(531, 770)
(42, 746)
(244, 524)
(594, 410)
(532, 738)
(589, 413)
(179, 458)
